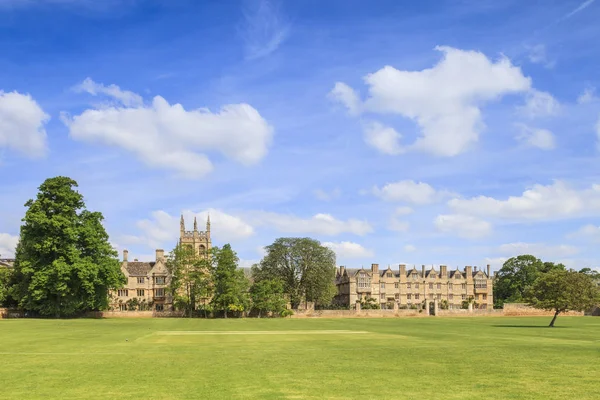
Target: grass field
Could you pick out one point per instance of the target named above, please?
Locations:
(418, 358)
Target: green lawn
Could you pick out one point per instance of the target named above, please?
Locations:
(405, 358)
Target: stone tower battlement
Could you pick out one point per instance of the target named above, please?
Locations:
(199, 240)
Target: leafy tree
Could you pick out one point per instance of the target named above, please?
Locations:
(306, 268)
(267, 296)
(5, 279)
(369, 303)
(191, 277)
(231, 285)
(561, 291)
(64, 263)
(595, 275)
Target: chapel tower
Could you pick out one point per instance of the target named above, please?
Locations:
(198, 240)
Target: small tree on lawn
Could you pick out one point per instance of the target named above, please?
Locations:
(562, 291)
(267, 296)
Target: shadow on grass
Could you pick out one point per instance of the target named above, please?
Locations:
(528, 326)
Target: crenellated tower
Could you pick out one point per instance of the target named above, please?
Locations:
(198, 240)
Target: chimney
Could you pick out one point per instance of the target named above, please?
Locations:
(160, 255)
(443, 271)
(125, 254)
(423, 270)
(475, 269)
(402, 269)
(375, 268)
(488, 270)
(342, 270)
(468, 271)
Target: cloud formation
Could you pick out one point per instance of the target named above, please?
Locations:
(536, 137)
(319, 224)
(22, 124)
(8, 244)
(408, 191)
(349, 250)
(265, 28)
(464, 226)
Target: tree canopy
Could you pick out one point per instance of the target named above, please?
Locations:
(64, 263)
(303, 265)
(517, 275)
(231, 285)
(560, 291)
(268, 296)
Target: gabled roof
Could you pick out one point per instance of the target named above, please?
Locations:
(456, 272)
(430, 271)
(138, 268)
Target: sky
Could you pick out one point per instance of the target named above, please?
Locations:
(426, 133)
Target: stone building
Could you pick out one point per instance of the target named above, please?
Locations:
(7, 262)
(413, 287)
(147, 281)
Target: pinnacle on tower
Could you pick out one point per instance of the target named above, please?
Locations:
(208, 223)
(182, 224)
(195, 225)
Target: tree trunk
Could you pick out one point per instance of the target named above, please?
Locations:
(554, 319)
(225, 313)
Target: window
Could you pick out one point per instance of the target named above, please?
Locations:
(160, 307)
(417, 296)
(484, 296)
(408, 286)
(450, 297)
(416, 285)
(141, 279)
(409, 296)
(382, 296)
(463, 286)
(439, 286)
(439, 296)
(397, 296)
(396, 285)
(476, 297)
(123, 293)
(431, 286)
(464, 296)
(364, 281)
(480, 283)
(415, 276)
(450, 286)
(457, 276)
(389, 275)
(140, 292)
(431, 296)
(159, 292)
(382, 285)
(122, 307)
(160, 280)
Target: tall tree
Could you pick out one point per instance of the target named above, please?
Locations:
(190, 277)
(595, 275)
(306, 268)
(231, 285)
(5, 280)
(64, 263)
(560, 291)
(268, 296)
(517, 275)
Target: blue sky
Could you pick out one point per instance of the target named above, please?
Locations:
(456, 132)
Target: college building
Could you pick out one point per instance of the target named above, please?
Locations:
(148, 281)
(404, 287)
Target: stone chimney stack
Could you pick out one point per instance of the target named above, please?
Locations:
(488, 271)
(468, 271)
(160, 255)
(342, 269)
(423, 271)
(125, 254)
(443, 271)
(402, 270)
(475, 268)
(375, 268)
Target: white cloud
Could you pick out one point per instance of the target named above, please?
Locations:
(323, 195)
(347, 96)
(265, 29)
(22, 123)
(444, 101)
(403, 210)
(537, 55)
(539, 250)
(536, 137)
(348, 250)
(409, 248)
(407, 191)
(383, 138)
(539, 104)
(552, 202)
(598, 133)
(320, 224)
(464, 226)
(581, 7)
(588, 96)
(397, 224)
(167, 136)
(590, 232)
(124, 97)
(162, 229)
(8, 244)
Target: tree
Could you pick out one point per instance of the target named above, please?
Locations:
(517, 275)
(231, 285)
(561, 291)
(268, 296)
(595, 275)
(306, 268)
(191, 277)
(64, 263)
(5, 280)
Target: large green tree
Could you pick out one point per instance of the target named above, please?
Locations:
(231, 285)
(560, 291)
(595, 275)
(268, 296)
(64, 263)
(517, 275)
(306, 268)
(191, 277)
(5, 281)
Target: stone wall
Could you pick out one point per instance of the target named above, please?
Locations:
(522, 309)
(135, 314)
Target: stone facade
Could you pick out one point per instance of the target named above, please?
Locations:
(7, 262)
(411, 287)
(148, 281)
